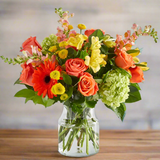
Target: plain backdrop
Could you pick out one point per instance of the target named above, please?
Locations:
(20, 19)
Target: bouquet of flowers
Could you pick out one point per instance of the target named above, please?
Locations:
(78, 69)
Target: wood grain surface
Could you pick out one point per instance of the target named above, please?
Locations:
(114, 145)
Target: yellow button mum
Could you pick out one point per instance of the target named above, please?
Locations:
(55, 75)
(81, 26)
(63, 53)
(58, 89)
(70, 27)
(64, 96)
(52, 48)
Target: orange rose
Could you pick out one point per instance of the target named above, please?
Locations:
(75, 67)
(88, 32)
(26, 76)
(27, 44)
(87, 85)
(124, 60)
(137, 75)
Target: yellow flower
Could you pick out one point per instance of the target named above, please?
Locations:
(95, 60)
(81, 26)
(144, 66)
(108, 41)
(95, 43)
(55, 75)
(109, 44)
(58, 89)
(63, 53)
(63, 44)
(52, 48)
(64, 96)
(70, 27)
(77, 41)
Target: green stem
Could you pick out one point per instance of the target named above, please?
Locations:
(87, 142)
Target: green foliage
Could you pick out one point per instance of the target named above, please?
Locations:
(30, 94)
(97, 33)
(104, 49)
(67, 79)
(134, 94)
(71, 53)
(11, 61)
(90, 103)
(133, 51)
(119, 111)
(83, 54)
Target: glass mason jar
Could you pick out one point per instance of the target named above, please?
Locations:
(78, 133)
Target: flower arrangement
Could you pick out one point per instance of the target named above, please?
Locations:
(78, 69)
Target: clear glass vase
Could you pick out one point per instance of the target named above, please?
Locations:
(78, 133)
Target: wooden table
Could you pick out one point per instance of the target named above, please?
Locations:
(114, 145)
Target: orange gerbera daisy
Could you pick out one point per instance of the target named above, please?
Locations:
(42, 80)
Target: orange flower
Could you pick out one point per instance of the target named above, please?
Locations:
(137, 75)
(124, 60)
(75, 67)
(87, 85)
(42, 80)
(26, 76)
(88, 32)
(27, 44)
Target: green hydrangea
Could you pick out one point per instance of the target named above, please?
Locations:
(115, 89)
(48, 42)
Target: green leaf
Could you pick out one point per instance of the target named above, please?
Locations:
(105, 77)
(17, 82)
(133, 51)
(99, 81)
(133, 97)
(96, 33)
(83, 54)
(119, 111)
(70, 92)
(125, 72)
(71, 53)
(37, 99)
(67, 79)
(104, 49)
(27, 93)
(90, 104)
(48, 102)
(134, 87)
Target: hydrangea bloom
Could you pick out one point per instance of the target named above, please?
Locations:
(115, 89)
(49, 41)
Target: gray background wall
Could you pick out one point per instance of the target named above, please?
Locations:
(20, 19)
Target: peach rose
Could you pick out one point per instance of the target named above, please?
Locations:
(26, 75)
(87, 85)
(27, 44)
(137, 75)
(75, 67)
(88, 32)
(124, 60)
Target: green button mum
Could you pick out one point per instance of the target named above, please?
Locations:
(115, 88)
